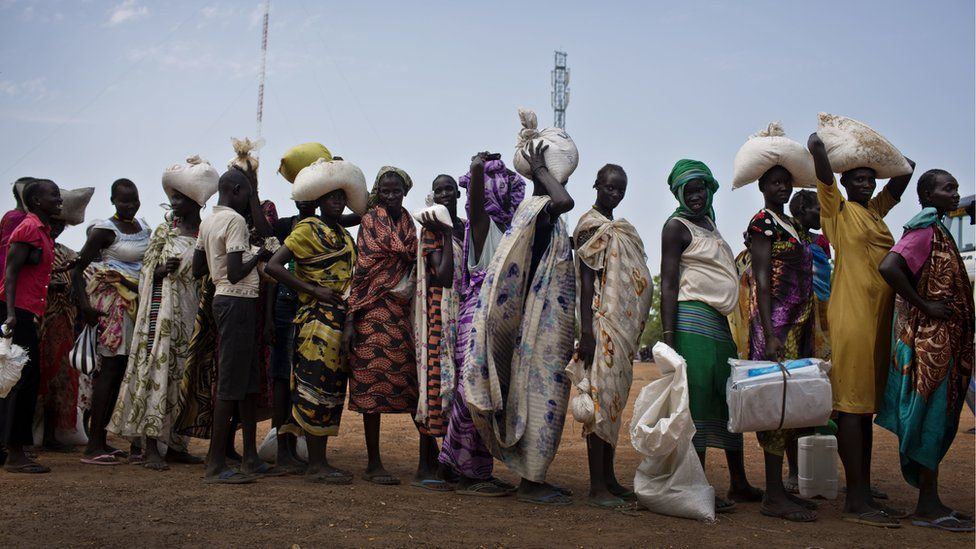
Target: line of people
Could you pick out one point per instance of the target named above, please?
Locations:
(208, 323)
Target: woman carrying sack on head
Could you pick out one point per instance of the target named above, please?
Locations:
(147, 406)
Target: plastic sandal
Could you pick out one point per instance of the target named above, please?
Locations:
(433, 484)
(876, 518)
(103, 459)
(552, 498)
(949, 523)
(229, 477)
(485, 489)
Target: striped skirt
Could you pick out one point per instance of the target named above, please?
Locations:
(703, 338)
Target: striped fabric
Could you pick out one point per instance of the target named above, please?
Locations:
(698, 318)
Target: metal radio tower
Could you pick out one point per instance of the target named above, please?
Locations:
(560, 90)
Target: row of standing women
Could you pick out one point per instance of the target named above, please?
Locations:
(481, 359)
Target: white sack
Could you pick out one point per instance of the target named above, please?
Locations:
(582, 405)
(670, 480)
(195, 178)
(12, 361)
(74, 202)
(851, 144)
(268, 450)
(561, 156)
(755, 395)
(770, 148)
(440, 213)
(72, 437)
(324, 176)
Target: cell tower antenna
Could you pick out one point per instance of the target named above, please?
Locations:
(560, 90)
(264, 64)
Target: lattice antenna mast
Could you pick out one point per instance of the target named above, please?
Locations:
(560, 90)
(264, 63)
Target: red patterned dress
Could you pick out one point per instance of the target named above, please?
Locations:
(383, 363)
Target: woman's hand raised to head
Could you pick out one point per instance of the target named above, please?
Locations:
(535, 156)
(430, 222)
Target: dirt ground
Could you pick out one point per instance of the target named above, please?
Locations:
(79, 505)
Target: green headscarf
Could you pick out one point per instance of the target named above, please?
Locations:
(373, 198)
(926, 218)
(685, 171)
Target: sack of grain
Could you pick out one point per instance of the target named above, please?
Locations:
(770, 148)
(324, 176)
(300, 157)
(196, 179)
(73, 204)
(851, 144)
(440, 214)
(562, 157)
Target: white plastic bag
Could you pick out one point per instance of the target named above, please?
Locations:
(851, 144)
(324, 176)
(770, 148)
(581, 405)
(268, 450)
(196, 179)
(562, 157)
(670, 480)
(82, 355)
(755, 395)
(12, 361)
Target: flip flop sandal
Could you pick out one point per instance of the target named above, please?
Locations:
(948, 523)
(629, 495)
(31, 468)
(103, 459)
(552, 498)
(135, 459)
(265, 470)
(877, 518)
(792, 516)
(897, 514)
(156, 466)
(433, 484)
(510, 488)
(295, 469)
(334, 478)
(609, 503)
(383, 480)
(484, 489)
(122, 454)
(229, 477)
(724, 505)
(564, 491)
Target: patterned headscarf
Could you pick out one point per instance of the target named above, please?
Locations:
(373, 196)
(685, 171)
(504, 191)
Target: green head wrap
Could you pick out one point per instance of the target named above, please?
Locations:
(407, 182)
(685, 171)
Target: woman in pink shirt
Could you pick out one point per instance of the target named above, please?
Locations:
(23, 289)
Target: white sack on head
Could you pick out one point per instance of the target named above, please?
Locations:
(440, 214)
(562, 157)
(74, 202)
(324, 176)
(770, 148)
(851, 144)
(243, 149)
(196, 179)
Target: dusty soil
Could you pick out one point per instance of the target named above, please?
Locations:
(79, 505)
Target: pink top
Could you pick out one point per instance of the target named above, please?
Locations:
(7, 225)
(32, 280)
(915, 247)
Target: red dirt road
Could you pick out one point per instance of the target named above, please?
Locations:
(79, 505)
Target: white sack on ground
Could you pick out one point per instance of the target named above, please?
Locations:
(851, 144)
(562, 157)
(770, 148)
(670, 480)
(324, 176)
(755, 395)
(268, 450)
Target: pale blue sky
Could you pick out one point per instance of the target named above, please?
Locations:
(91, 91)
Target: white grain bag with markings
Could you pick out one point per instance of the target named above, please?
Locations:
(324, 176)
(562, 157)
(851, 144)
(670, 480)
(770, 148)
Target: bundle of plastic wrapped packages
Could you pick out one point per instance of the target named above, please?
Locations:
(851, 144)
(562, 157)
(670, 480)
(770, 148)
(766, 396)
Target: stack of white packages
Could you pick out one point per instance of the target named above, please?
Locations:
(756, 400)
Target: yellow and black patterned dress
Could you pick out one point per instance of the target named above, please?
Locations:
(324, 256)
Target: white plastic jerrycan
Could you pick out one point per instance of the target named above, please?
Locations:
(818, 466)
